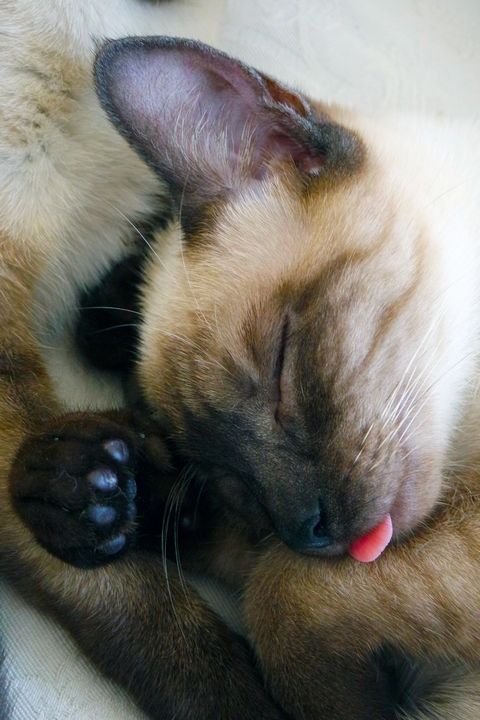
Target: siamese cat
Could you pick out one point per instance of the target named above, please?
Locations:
(308, 342)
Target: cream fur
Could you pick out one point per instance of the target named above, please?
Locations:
(429, 171)
(67, 179)
(433, 167)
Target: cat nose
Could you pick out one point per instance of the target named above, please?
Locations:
(309, 535)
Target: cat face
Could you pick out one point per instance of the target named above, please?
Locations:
(290, 322)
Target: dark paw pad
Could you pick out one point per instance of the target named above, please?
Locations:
(74, 487)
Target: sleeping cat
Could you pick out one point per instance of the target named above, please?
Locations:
(311, 344)
(308, 342)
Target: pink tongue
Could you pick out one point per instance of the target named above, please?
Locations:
(370, 546)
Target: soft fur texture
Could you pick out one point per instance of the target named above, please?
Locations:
(71, 194)
(367, 404)
(382, 246)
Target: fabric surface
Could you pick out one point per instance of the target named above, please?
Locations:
(49, 679)
(408, 54)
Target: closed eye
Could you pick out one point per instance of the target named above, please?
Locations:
(278, 369)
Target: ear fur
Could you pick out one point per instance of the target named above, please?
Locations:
(210, 124)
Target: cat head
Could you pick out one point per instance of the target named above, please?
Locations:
(289, 314)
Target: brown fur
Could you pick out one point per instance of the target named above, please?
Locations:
(420, 597)
(156, 638)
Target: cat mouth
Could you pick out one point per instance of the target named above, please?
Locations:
(363, 529)
(364, 548)
(334, 550)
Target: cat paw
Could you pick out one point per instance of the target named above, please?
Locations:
(74, 487)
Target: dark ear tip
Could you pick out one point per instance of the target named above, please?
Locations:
(106, 54)
(101, 65)
(109, 49)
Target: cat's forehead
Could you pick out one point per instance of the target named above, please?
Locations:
(280, 225)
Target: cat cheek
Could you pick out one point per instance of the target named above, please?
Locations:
(416, 497)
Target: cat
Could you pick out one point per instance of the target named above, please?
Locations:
(312, 314)
(310, 341)
(71, 195)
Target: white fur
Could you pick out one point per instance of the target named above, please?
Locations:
(68, 180)
(434, 167)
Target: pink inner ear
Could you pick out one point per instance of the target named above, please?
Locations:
(209, 123)
(309, 165)
(231, 100)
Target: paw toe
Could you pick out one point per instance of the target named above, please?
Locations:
(104, 480)
(113, 546)
(118, 450)
(101, 514)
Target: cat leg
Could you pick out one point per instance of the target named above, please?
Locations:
(74, 488)
(150, 633)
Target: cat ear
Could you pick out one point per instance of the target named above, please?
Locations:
(209, 124)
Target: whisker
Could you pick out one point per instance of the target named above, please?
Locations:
(423, 397)
(110, 307)
(266, 538)
(113, 327)
(409, 366)
(362, 445)
(411, 397)
(189, 476)
(142, 237)
(194, 297)
(164, 533)
(194, 346)
(197, 502)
